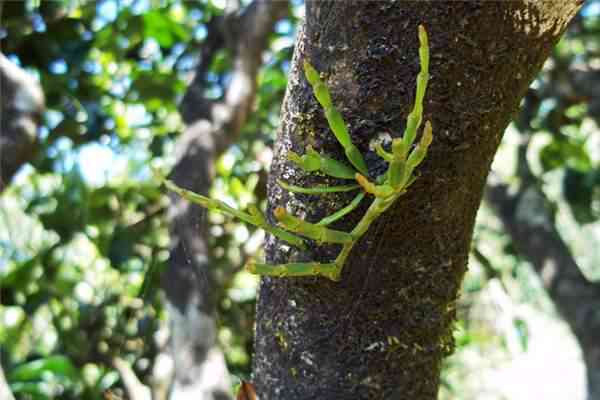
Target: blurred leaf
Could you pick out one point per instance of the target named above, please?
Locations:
(122, 68)
(221, 62)
(59, 366)
(561, 153)
(18, 275)
(164, 30)
(577, 111)
(274, 77)
(582, 191)
(152, 85)
(522, 332)
(237, 187)
(33, 390)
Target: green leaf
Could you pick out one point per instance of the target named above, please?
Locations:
(221, 62)
(563, 153)
(273, 77)
(33, 390)
(522, 331)
(37, 370)
(163, 29)
(237, 187)
(151, 85)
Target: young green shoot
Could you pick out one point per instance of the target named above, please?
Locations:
(403, 159)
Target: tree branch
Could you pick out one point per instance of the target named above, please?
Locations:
(528, 221)
(21, 107)
(136, 390)
(248, 31)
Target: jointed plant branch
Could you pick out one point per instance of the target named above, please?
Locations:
(402, 160)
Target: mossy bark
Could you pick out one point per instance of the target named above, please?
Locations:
(382, 332)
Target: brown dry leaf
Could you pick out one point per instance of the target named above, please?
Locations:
(110, 395)
(246, 392)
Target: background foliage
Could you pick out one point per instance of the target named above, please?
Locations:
(83, 231)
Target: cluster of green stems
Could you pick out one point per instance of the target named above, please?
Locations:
(387, 188)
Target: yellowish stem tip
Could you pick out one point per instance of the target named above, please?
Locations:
(427, 134)
(279, 212)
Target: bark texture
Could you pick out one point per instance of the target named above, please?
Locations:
(382, 332)
(200, 370)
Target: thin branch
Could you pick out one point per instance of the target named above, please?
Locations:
(136, 390)
(21, 107)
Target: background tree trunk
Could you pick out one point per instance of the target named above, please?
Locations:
(21, 108)
(528, 218)
(382, 332)
(200, 370)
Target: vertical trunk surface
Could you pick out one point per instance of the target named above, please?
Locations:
(381, 332)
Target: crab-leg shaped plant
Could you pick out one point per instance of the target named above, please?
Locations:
(402, 161)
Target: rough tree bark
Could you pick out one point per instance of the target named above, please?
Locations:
(200, 371)
(382, 332)
(526, 215)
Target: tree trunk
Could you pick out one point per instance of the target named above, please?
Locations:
(382, 332)
(200, 370)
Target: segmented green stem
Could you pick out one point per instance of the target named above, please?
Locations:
(318, 233)
(377, 207)
(414, 118)
(330, 271)
(257, 220)
(318, 189)
(387, 189)
(343, 211)
(334, 118)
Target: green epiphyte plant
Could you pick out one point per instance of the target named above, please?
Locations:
(402, 161)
